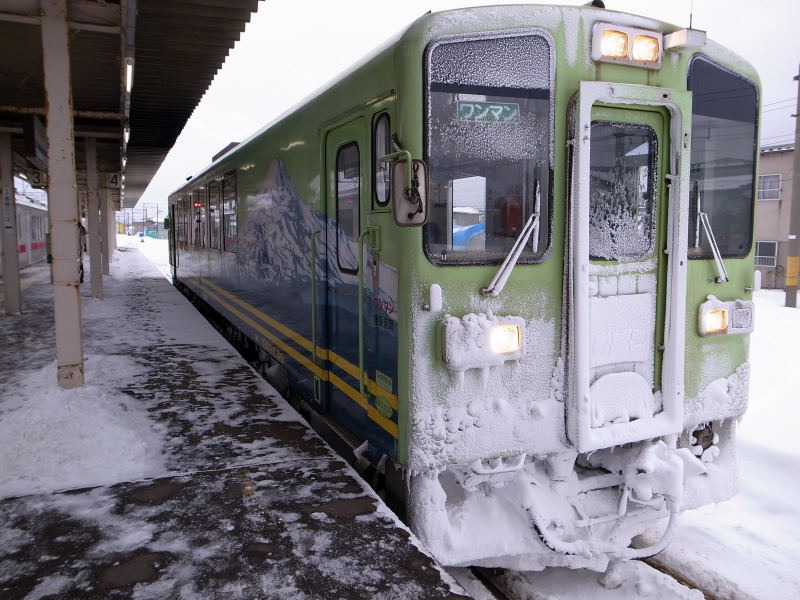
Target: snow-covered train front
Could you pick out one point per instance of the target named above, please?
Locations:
(510, 257)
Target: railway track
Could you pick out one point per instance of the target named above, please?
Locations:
(633, 579)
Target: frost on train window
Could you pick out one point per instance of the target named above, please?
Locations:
(488, 147)
(622, 180)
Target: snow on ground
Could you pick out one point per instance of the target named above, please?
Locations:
(748, 547)
(156, 251)
(56, 439)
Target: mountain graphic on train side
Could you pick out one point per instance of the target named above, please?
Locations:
(277, 232)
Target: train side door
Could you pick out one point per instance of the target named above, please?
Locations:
(347, 198)
(628, 267)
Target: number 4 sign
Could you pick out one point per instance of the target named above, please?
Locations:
(110, 180)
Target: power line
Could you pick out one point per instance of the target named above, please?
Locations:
(780, 135)
(787, 107)
(780, 101)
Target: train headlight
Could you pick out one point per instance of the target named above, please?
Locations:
(715, 322)
(627, 46)
(614, 43)
(505, 339)
(646, 48)
(719, 318)
(480, 341)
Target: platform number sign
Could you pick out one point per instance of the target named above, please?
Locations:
(37, 178)
(111, 180)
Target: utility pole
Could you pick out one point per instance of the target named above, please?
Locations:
(793, 260)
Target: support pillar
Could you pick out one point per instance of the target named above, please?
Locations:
(62, 193)
(8, 221)
(105, 230)
(793, 258)
(111, 210)
(93, 218)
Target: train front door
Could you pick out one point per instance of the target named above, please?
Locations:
(628, 259)
(347, 195)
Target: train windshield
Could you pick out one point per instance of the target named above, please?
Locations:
(724, 109)
(489, 122)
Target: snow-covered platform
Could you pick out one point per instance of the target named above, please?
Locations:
(176, 472)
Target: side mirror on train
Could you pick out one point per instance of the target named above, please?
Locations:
(409, 193)
(167, 223)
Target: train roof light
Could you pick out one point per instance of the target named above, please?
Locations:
(627, 46)
(614, 43)
(685, 39)
(646, 48)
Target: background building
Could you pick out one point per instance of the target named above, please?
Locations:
(773, 211)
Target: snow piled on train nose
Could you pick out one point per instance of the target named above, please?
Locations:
(56, 439)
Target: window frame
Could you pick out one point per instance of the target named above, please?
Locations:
(200, 203)
(756, 149)
(226, 219)
(778, 189)
(377, 202)
(426, 102)
(214, 220)
(357, 217)
(773, 257)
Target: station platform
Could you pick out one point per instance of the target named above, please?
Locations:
(236, 496)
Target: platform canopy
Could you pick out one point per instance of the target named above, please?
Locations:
(138, 70)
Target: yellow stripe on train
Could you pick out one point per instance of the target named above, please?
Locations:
(386, 424)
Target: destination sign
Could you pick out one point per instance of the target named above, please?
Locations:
(494, 112)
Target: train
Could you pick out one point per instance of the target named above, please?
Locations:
(508, 259)
(31, 231)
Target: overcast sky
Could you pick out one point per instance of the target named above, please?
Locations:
(293, 47)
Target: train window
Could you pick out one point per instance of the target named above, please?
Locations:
(488, 147)
(230, 231)
(381, 171)
(182, 224)
(38, 228)
(199, 217)
(724, 146)
(213, 214)
(348, 180)
(621, 204)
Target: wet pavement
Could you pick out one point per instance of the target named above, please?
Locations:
(251, 503)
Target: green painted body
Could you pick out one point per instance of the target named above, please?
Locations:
(392, 80)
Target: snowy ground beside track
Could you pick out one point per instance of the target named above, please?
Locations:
(746, 548)
(749, 546)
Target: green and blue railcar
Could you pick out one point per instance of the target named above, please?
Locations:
(509, 256)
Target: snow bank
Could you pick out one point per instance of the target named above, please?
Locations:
(54, 439)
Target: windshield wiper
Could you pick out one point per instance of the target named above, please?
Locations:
(503, 273)
(722, 274)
